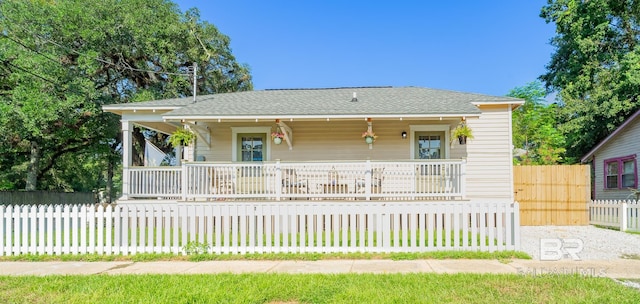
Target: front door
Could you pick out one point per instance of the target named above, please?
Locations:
(429, 145)
(252, 147)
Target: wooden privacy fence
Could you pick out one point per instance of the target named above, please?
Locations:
(624, 215)
(552, 195)
(239, 228)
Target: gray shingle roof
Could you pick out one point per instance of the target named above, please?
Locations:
(338, 101)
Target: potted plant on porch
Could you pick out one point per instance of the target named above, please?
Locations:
(462, 132)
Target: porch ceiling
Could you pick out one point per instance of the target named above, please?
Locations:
(162, 127)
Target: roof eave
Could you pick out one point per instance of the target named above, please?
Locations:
(587, 157)
(317, 116)
(122, 109)
(513, 103)
(130, 108)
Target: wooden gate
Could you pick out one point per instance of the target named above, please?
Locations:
(553, 195)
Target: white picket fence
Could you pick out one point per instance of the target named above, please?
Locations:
(239, 228)
(621, 214)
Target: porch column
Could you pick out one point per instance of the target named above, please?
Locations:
(127, 126)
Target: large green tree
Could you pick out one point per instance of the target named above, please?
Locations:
(536, 137)
(595, 68)
(60, 61)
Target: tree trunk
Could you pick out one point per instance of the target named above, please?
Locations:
(32, 169)
(137, 147)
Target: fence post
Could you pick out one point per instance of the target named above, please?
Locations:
(622, 214)
(515, 225)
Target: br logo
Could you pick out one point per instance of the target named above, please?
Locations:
(557, 249)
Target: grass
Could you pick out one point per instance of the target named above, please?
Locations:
(314, 288)
(616, 229)
(631, 256)
(147, 257)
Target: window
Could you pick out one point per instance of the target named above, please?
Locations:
(629, 174)
(250, 144)
(251, 147)
(612, 175)
(621, 173)
(428, 141)
(428, 146)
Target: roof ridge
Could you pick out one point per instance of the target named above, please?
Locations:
(332, 88)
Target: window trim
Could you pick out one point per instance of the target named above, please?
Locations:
(429, 128)
(620, 161)
(234, 140)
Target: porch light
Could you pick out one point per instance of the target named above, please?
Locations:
(404, 134)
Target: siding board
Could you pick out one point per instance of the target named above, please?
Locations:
(489, 158)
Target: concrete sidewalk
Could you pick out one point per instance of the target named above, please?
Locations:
(618, 268)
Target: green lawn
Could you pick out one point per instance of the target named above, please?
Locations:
(314, 288)
(146, 257)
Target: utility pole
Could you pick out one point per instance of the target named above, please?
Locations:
(195, 79)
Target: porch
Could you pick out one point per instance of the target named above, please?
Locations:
(275, 181)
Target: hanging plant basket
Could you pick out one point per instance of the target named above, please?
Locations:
(369, 137)
(182, 137)
(277, 137)
(462, 132)
(462, 140)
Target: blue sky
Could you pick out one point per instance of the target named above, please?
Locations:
(487, 47)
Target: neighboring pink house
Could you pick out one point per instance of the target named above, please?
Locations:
(614, 161)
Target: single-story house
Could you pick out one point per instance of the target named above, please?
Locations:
(614, 161)
(358, 143)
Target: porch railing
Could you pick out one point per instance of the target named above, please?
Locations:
(398, 180)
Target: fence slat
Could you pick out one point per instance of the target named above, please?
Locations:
(3, 238)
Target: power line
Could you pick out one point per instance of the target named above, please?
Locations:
(30, 73)
(24, 45)
(111, 63)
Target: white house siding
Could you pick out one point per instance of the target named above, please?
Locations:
(489, 160)
(328, 140)
(623, 144)
(489, 163)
